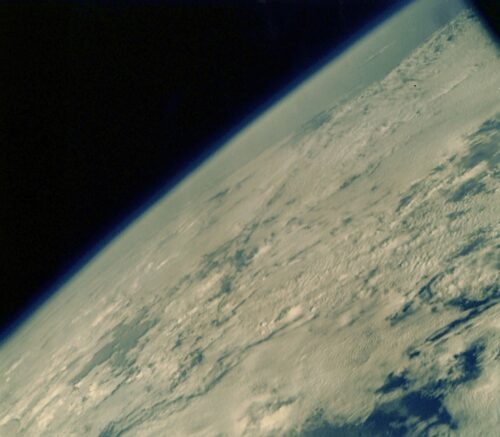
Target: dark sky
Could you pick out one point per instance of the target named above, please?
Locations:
(103, 103)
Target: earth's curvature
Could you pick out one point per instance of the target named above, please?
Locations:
(344, 282)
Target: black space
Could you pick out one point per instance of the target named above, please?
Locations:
(489, 10)
(104, 103)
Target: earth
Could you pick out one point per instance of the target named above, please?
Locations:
(343, 282)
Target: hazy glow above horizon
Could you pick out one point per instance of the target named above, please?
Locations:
(364, 61)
